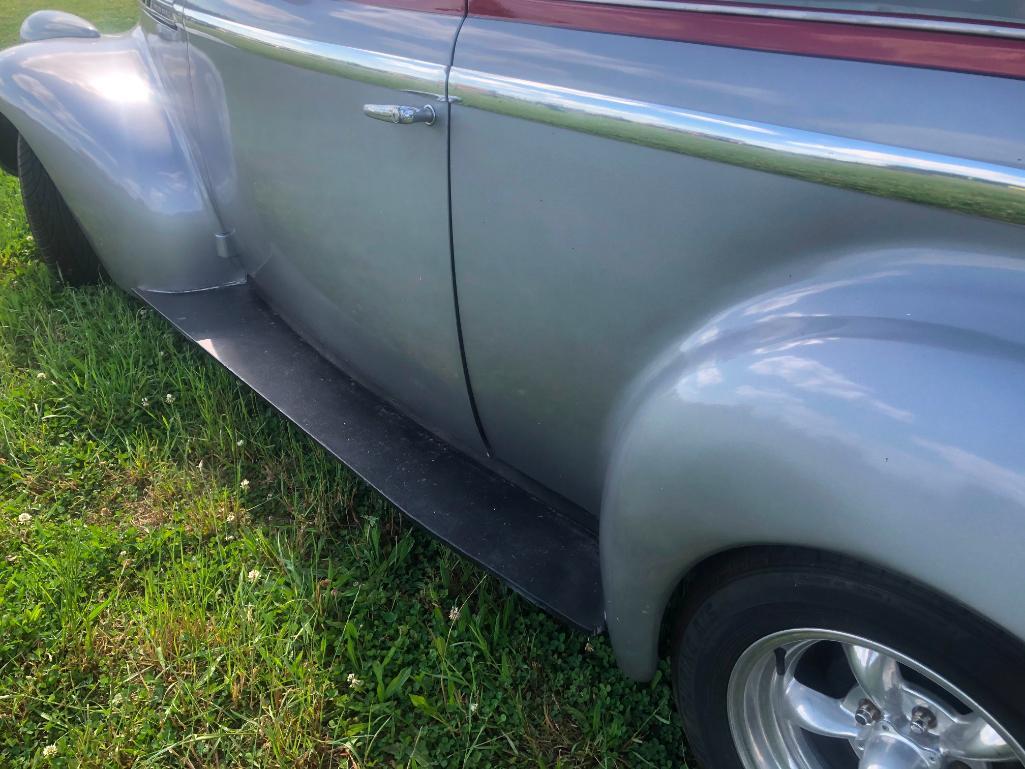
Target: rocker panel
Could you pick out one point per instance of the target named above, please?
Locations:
(542, 554)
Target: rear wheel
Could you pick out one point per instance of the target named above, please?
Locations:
(796, 660)
(60, 241)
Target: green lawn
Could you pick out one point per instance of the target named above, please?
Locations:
(186, 580)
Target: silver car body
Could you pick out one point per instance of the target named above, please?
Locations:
(712, 295)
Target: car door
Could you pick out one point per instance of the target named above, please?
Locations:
(340, 219)
(624, 172)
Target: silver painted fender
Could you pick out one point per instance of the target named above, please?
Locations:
(101, 116)
(875, 409)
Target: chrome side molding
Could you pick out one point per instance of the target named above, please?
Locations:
(381, 69)
(969, 186)
(163, 11)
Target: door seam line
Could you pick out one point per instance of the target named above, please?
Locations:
(467, 382)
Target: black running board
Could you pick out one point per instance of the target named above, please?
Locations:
(543, 555)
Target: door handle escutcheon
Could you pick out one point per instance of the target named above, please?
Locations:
(402, 115)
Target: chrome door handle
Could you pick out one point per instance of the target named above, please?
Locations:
(396, 113)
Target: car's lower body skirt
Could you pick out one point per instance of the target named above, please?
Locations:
(543, 555)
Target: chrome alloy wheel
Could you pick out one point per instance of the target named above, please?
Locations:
(896, 713)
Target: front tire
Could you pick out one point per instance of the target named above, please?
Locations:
(790, 659)
(60, 241)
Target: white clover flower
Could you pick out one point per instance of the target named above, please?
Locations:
(588, 648)
(244, 484)
(453, 613)
(169, 398)
(230, 518)
(253, 575)
(41, 375)
(473, 707)
(49, 751)
(25, 519)
(145, 403)
(353, 681)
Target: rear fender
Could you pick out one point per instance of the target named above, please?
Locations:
(98, 116)
(874, 411)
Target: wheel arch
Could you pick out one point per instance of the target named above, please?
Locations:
(824, 415)
(703, 576)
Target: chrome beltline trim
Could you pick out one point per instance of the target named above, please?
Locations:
(397, 72)
(968, 186)
(899, 22)
(160, 10)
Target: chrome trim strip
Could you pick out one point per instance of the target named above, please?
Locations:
(968, 186)
(160, 10)
(837, 17)
(386, 70)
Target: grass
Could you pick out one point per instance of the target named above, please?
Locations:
(107, 15)
(186, 580)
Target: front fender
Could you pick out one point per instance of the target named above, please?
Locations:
(874, 411)
(99, 117)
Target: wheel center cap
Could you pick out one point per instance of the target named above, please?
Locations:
(886, 748)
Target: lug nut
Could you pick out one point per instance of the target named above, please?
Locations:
(867, 713)
(922, 719)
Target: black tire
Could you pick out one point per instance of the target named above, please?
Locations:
(741, 600)
(8, 147)
(60, 241)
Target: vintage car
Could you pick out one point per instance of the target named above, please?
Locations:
(702, 323)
